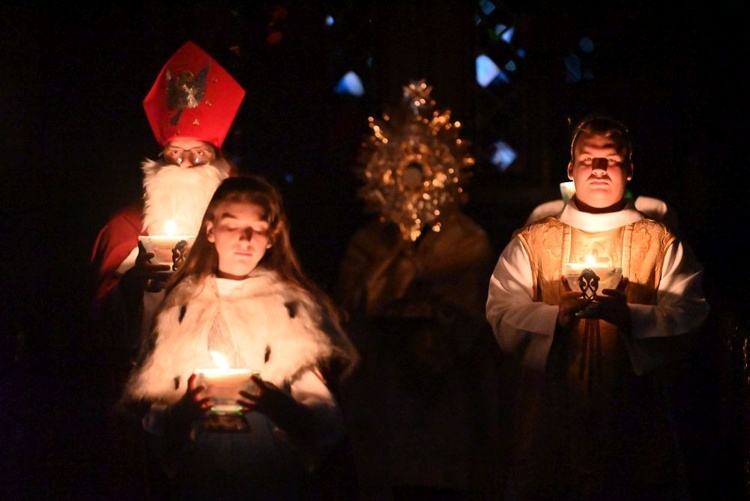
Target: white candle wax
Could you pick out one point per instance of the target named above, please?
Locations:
(223, 386)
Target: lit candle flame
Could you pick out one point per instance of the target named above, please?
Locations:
(219, 360)
(590, 260)
(170, 227)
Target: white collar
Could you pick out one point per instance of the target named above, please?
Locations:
(598, 222)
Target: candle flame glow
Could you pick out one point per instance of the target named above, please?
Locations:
(590, 260)
(219, 360)
(170, 227)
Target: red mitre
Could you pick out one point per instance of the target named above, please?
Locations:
(193, 97)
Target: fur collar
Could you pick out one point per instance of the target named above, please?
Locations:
(276, 329)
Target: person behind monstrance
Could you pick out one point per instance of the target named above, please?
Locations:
(422, 408)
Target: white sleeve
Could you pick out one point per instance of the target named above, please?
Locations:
(680, 308)
(522, 327)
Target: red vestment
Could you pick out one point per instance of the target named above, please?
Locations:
(115, 242)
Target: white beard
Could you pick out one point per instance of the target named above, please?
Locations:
(177, 194)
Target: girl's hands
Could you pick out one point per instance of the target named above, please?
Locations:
(288, 414)
(266, 398)
(181, 416)
(193, 405)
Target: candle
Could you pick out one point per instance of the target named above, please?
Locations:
(609, 276)
(170, 227)
(223, 387)
(167, 249)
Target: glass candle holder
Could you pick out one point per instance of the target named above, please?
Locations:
(167, 249)
(223, 387)
(591, 279)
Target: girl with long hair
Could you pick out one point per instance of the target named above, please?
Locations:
(242, 295)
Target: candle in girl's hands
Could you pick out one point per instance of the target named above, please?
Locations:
(170, 227)
(223, 387)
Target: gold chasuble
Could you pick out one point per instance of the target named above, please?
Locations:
(590, 421)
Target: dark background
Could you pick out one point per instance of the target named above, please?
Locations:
(75, 133)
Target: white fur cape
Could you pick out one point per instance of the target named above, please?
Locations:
(263, 314)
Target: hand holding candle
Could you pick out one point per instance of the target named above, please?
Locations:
(168, 248)
(288, 414)
(144, 275)
(592, 279)
(599, 277)
(223, 387)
